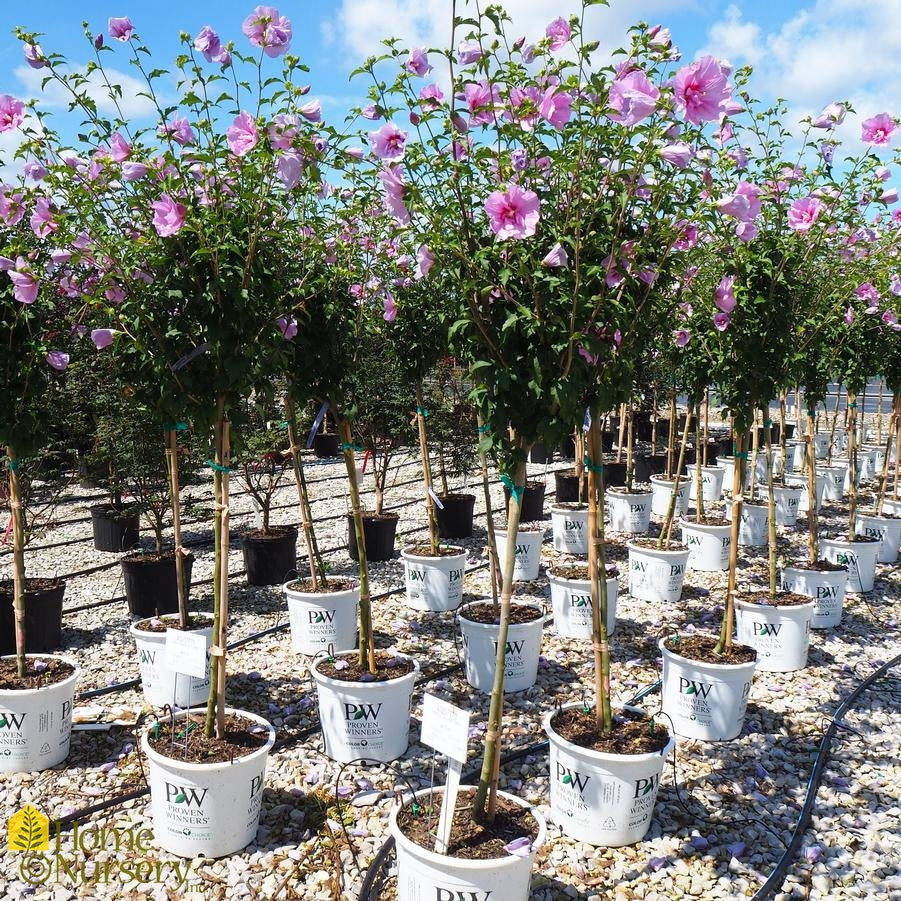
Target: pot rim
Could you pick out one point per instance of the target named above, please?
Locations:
(318, 594)
(406, 555)
(191, 767)
(714, 667)
(27, 692)
(134, 630)
(533, 604)
(362, 686)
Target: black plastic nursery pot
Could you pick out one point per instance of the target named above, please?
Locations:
(532, 502)
(540, 453)
(614, 474)
(568, 448)
(455, 519)
(270, 558)
(151, 588)
(378, 534)
(566, 489)
(115, 528)
(648, 465)
(43, 616)
(326, 444)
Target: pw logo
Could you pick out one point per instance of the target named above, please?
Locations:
(690, 687)
(362, 711)
(12, 720)
(646, 786)
(29, 830)
(178, 794)
(766, 628)
(321, 616)
(571, 777)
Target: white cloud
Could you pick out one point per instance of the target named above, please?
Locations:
(829, 50)
(130, 104)
(361, 24)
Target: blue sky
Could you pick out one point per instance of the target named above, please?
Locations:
(808, 51)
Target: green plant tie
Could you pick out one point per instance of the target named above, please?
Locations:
(852, 406)
(741, 455)
(13, 464)
(768, 424)
(218, 467)
(353, 447)
(516, 492)
(587, 463)
(156, 730)
(175, 427)
(652, 727)
(422, 412)
(288, 422)
(484, 428)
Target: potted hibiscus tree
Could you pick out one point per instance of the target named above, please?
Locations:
(180, 229)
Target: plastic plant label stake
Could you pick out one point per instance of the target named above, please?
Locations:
(436, 499)
(186, 652)
(316, 423)
(446, 729)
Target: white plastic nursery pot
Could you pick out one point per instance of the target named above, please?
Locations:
(886, 529)
(162, 685)
(365, 721)
(846, 482)
(322, 619)
(780, 635)
(788, 501)
(423, 875)
(834, 476)
(37, 723)
(711, 483)
(528, 553)
(629, 512)
(866, 463)
(656, 575)
(602, 798)
(571, 605)
(795, 452)
(207, 809)
(858, 556)
(891, 507)
(705, 700)
(570, 525)
(825, 586)
(662, 491)
(800, 481)
(434, 583)
(752, 530)
(520, 658)
(708, 545)
(821, 443)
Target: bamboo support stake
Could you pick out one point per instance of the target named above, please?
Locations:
(317, 569)
(224, 542)
(811, 461)
(725, 641)
(622, 433)
(666, 530)
(699, 476)
(706, 423)
(174, 500)
(879, 416)
(431, 513)
(493, 563)
(851, 410)
(772, 538)
(18, 518)
(629, 445)
(671, 439)
(883, 479)
(654, 424)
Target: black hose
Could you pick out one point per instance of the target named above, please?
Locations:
(776, 877)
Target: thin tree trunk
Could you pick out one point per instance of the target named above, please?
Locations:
(442, 469)
(897, 443)
(654, 424)
(755, 450)
(883, 480)
(598, 571)
(18, 517)
(666, 529)
(879, 416)
(772, 538)
(706, 423)
(580, 466)
(622, 433)
(671, 440)
(812, 515)
(851, 410)
(699, 476)
(834, 424)
(487, 788)
(175, 501)
(725, 641)
(493, 564)
(431, 514)
(783, 449)
(629, 445)
(367, 643)
(314, 559)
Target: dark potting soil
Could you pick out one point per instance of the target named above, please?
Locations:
(489, 615)
(330, 586)
(623, 491)
(380, 516)
(468, 840)
(275, 533)
(454, 497)
(783, 599)
(700, 647)
(707, 521)
(570, 506)
(823, 566)
(237, 741)
(387, 668)
(651, 545)
(632, 732)
(39, 672)
(616, 551)
(111, 511)
(154, 624)
(425, 550)
(142, 557)
(7, 588)
(854, 539)
(578, 573)
(527, 526)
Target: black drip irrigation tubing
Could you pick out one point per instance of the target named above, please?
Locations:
(376, 875)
